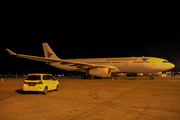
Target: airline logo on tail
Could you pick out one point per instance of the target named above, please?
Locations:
(49, 54)
(144, 59)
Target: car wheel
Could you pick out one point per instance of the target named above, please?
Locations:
(57, 87)
(45, 90)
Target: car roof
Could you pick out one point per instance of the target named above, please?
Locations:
(39, 74)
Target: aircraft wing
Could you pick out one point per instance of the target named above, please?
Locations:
(85, 65)
(62, 62)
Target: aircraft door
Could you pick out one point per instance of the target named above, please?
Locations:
(153, 62)
(126, 63)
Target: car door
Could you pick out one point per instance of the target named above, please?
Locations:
(46, 81)
(53, 82)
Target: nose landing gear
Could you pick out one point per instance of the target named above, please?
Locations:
(151, 76)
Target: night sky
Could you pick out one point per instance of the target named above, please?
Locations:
(87, 30)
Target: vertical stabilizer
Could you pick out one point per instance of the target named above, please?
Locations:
(48, 52)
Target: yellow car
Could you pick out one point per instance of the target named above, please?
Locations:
(40, 82)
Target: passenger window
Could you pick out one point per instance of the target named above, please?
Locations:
(52, 78)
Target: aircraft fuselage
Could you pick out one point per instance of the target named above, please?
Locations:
(127, 64)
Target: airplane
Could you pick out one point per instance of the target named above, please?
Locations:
(102, 67)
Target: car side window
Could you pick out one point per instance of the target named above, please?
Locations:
(52, 78)
(46, 77)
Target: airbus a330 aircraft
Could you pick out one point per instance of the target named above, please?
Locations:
(102, 67)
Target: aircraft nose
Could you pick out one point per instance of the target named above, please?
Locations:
(171, 65)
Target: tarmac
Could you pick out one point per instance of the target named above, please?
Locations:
(138, 98)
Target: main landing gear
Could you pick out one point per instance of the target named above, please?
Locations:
(85, 76)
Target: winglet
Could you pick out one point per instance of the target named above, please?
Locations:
(11, 52)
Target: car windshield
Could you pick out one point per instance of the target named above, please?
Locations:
(33, 77)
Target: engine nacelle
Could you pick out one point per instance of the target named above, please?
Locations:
(100, 72)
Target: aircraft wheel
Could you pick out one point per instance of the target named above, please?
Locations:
(151, 77)
(83, 76)
(88, 77)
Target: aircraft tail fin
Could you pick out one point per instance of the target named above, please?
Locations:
(48, 52)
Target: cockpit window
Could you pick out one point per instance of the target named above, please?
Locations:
(165, 61)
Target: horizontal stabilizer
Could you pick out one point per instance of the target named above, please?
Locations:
(10, 52)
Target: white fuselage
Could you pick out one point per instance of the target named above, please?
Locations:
(126, 64)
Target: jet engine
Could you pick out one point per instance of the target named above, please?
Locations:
(100, 72)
